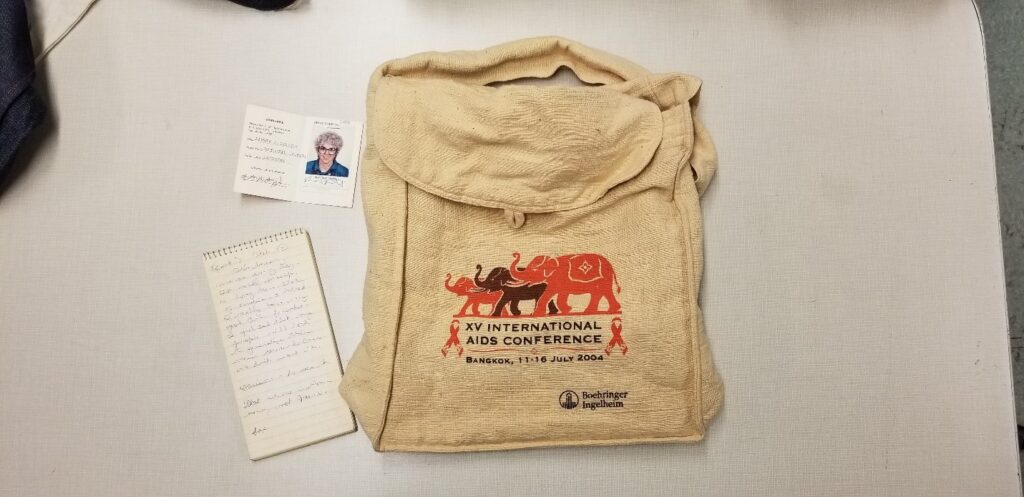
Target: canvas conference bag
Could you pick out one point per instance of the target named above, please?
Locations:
(535, 254)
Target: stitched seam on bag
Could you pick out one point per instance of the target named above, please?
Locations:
(691, 303)
(398, 321)
(465, 199)
(386, 407)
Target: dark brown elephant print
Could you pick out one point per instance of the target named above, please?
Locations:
(512, 290)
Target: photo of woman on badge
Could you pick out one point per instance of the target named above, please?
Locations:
(327, 146)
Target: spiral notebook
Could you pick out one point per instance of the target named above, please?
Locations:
(278, 341)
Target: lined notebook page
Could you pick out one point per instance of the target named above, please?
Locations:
(279, 344)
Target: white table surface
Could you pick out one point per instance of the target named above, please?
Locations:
(854, 293)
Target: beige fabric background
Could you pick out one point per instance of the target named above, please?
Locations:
(853, 289)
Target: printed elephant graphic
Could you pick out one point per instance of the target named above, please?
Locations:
(499, 280)
(571, 274)
(475, 295)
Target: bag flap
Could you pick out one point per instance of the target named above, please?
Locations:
(522, 148)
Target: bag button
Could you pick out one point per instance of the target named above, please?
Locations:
(514, 219)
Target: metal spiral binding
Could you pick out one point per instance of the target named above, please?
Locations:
(253, 243)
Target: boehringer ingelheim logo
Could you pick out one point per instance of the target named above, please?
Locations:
(569, 399)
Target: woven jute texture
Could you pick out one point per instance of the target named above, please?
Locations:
(535, 254)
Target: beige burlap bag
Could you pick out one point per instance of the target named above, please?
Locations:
(535, 254)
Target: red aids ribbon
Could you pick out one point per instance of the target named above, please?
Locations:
(453, 339)
(616, 340)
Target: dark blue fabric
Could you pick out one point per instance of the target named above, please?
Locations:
(313, 167)
(21, 110)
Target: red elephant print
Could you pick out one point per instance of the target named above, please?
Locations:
(475, 295)
(571, 274)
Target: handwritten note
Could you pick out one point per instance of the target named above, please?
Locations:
(280, 348)
(303, 159)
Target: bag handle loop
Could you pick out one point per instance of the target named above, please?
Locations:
(529, 58)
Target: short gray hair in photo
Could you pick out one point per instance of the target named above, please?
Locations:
(329, 137)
